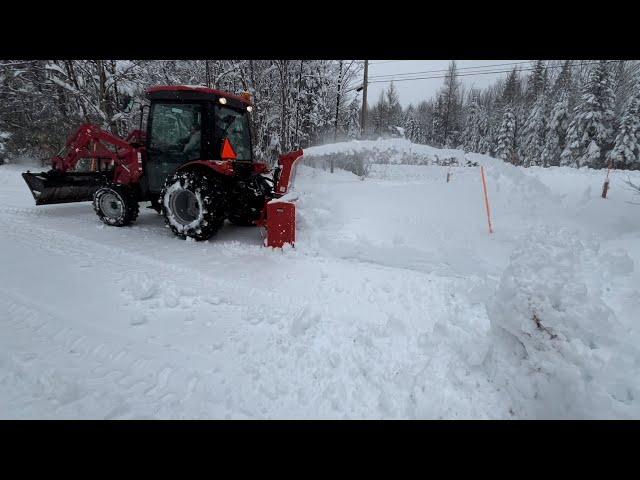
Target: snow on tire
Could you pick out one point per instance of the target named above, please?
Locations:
(116, 205)
(193, 205)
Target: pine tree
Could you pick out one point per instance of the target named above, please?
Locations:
(590, 131)
(450, 107)
(394, 109)
(379, 115)
(564, 81)
(410, 124)
(505, 148)
(353, 119)
(438, 122)
(557, 131)
(474, 131)
(484, 142)
(626, 150)
(537, 82)
(534, 131)
(511, 90)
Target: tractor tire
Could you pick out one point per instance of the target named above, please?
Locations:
(116, 205)
(193, 205)
(250, 197)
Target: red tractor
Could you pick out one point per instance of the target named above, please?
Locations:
(194, 163)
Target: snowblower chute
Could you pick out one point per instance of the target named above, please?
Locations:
(194, 163)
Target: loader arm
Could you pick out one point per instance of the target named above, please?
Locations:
(90, 141)
(63, 184)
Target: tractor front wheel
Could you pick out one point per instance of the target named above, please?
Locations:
(116, 205)
(193, 204)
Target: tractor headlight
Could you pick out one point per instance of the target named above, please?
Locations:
(222, 100)
(249, 109)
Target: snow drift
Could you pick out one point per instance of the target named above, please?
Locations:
(557, 348)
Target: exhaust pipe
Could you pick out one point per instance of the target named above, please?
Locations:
(63, 187)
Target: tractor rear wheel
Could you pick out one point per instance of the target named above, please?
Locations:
(193, 204)
(116, 205)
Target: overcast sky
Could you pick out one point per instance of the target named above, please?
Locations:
(415, 91)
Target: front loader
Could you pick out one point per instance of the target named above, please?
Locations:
(194, 163)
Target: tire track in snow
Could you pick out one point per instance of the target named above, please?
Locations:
(252, 387)
(74, 248)
(104, 374)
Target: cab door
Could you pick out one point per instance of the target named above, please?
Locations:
(175, 138)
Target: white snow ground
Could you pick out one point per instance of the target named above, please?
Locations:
(395, 303)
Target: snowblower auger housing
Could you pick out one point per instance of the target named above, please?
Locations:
(194, 162)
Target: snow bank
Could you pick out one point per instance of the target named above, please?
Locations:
(385, 151)
(557, 348)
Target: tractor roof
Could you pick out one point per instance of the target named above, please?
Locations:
(195, 90)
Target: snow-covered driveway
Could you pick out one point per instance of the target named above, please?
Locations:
(381, 311)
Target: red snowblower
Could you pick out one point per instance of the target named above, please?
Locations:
(194, 163)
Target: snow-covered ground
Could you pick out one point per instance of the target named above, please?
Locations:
(395, 303)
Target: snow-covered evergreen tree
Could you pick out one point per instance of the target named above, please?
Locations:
(537, 82)
(626, 150)
(394, 109)
(484, 142)
(473, 138)
(534, 132)
(590, 131)
(438, 122)
(410, 124)
(450, 107)
(353, 119)
(557, 130)
(505, 141)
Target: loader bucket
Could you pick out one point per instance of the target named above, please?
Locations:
(58, 187)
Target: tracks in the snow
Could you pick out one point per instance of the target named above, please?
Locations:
(56, 368)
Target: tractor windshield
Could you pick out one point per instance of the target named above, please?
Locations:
(233, 125)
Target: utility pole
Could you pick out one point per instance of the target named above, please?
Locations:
(207, 73)
(363, 120)
(335, 131)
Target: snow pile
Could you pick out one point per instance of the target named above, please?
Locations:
(394, 151)
(558, 349)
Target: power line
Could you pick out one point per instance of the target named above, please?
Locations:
(387, 61)
(470, 74)
(446, 69)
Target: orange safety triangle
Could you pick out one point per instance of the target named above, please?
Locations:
(228, 153)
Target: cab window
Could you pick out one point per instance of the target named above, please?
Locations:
(234, 125)
(177, 127)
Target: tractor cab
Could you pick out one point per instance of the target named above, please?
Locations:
(187, 124)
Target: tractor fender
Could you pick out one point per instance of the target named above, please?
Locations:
(221, 167)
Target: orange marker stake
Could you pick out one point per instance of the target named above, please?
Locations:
(486, 199)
